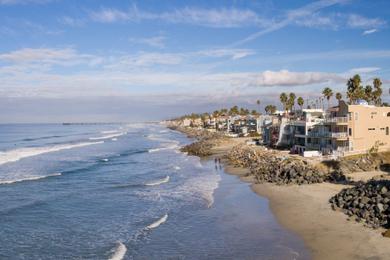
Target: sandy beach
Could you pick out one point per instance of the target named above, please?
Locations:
(306, 211)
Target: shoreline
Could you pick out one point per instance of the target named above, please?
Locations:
(305, 210)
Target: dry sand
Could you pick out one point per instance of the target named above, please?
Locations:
(305, 210)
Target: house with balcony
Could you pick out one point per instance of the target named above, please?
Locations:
(358, 127)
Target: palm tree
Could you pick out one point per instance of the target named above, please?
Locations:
(368, 93)
(328, 93)
(291, 100)
(355, 90)
(283, 99)
(377, 93)
(234, 111)
(300, 102)
(339, 96)
(270, 109)
(258, 104)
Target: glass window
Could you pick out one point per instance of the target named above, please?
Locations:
(350, 131)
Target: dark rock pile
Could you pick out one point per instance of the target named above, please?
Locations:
(267, 166)
(366, 202)
(205, 141)
(200, 148)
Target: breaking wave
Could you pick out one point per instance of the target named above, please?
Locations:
(111, 136)
(170, 147)
(109, 132)
(120, 252)
(158, 182)
(20, 153)
(158, 222)
(31, 178)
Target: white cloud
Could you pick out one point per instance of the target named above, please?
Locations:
(366, 32)
(156, 41)
(234, 54)
(317, 20)
(223, 18)
(288, 78)
(109, 15)
(42, 59)
(145, 59)
(364, 70)
(219, 18)
(291, 17)
(361, 22)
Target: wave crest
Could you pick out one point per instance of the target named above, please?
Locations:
(158, 222)
(158, 182)
(31, 178)
(120, 252)
(111, 136)
(20, 153)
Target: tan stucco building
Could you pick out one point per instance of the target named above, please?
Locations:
(357, 128)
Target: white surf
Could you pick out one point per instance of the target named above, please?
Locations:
(119, 253)
(158, 222)
(106, 136)
(158, 182)
(30, 178)
(20, 153)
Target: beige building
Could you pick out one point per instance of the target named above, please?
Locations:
(357, 128)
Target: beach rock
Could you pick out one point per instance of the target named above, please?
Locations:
(366, 201)
(268, 166)
(386, 233)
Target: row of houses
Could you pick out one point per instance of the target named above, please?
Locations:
(341, 130)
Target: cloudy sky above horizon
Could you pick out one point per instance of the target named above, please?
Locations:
(140, 60)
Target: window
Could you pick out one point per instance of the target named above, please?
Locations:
(387, 130)
(349, 116)
(388, 114)
(371, 129)
(356, 115)
(350, 131)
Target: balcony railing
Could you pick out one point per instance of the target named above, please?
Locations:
(340, 135)
(319, 134)
(342, 119)
(328, 134)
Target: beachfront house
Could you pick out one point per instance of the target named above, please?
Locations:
(359, 127)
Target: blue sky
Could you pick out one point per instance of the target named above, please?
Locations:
(64, 60)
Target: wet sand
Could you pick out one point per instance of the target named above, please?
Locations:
(305, 211)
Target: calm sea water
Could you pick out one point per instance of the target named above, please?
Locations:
(126, 192)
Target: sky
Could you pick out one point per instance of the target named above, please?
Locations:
(110, 61)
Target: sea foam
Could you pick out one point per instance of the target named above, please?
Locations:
(31, 178)
(120, 252)
(158, 182)
(20, 153)
(111, 136)
(158, 222)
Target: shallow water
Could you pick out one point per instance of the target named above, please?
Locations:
(126, 192)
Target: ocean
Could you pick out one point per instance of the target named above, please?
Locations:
(125, 191)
